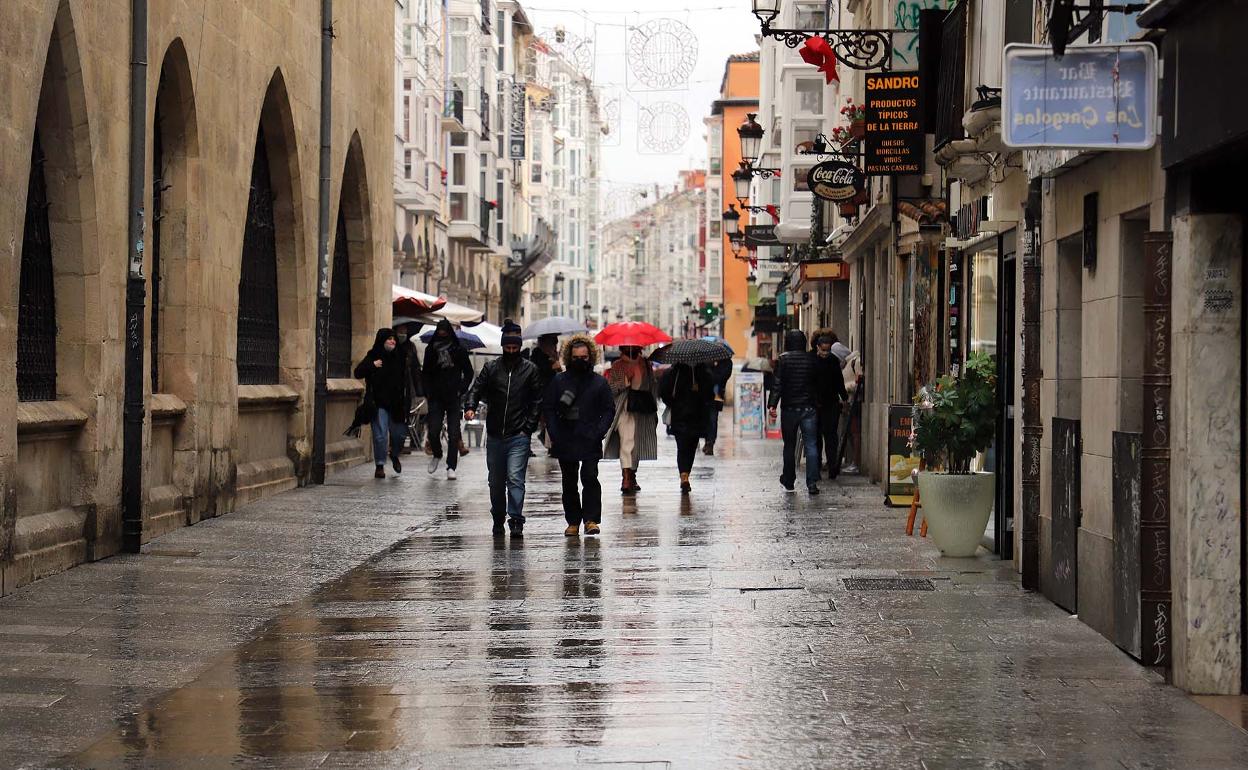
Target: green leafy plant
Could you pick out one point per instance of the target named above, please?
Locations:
(955, 417)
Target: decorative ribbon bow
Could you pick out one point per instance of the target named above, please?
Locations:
(818, 52)
(775, 213)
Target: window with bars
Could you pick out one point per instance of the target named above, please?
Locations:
(340, 306)
(258, 340)
(36, 312)
(158, 189)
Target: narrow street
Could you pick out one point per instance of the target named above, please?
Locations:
(379, 624)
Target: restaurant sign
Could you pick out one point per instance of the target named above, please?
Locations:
(1098, 97)
(835, 180)
(760, 235)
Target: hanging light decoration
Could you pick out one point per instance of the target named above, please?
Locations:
(732, 221)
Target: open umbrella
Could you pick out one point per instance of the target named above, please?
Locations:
(409, 302)
(469, 340)
(556, 324)
(632, 333)
(691, 352)
(718, 341)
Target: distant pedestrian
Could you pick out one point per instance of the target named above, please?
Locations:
(447, 374)
(545, 356)
(406, 335)
(387, 387)
(721, 372)
(852, 371)
(688, 392)
(578, 410)
(795, 390)
(509, 387)
(829, 396)
(633, 436)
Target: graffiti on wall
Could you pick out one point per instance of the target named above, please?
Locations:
(906, 16)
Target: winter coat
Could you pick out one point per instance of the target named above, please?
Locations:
(514, 396)
(581, 439)
(794, 383)
(829, 384)
(645, 426)
(389, 386)
(447, 372)
(851, 370)
(688, 392)
(545, 366)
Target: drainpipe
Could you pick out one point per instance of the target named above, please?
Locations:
(322, 249)
(136, 291)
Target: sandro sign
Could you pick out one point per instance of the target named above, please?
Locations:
(835, 180)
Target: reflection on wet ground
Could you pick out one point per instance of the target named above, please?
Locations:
(708, 631)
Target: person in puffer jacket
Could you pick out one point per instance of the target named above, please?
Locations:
(795, 391)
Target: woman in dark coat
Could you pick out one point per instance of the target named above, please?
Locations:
(388, 385)
(688, 392)
(578, 409)
(446, 376)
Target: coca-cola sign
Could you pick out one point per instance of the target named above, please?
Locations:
(835, 180)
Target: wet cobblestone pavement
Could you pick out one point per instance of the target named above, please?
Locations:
(379, 624)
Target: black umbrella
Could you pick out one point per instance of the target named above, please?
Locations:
(691, 352)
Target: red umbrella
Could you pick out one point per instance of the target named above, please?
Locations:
(409, 302)
(633, 333)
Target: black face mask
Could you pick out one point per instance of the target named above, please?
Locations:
(511, 358)
(579, 365)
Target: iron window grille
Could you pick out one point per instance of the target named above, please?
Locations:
(36, 315)
(258, 333)
(158, 188)
(340, 307)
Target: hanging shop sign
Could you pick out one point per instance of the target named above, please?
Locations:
(825, 271)
(516, 134)
(1101, 97)
(757, 236)
(835, 180)
(895, 142)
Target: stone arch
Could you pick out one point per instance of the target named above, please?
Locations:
(277, 156)
(61, 155)
(355, 223)
(409, 250)
(175, 175)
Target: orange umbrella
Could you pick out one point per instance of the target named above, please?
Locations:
(631, 333)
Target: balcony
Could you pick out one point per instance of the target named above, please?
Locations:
(453, 110)
(470, 219)
(485, 114)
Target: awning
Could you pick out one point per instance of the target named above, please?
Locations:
(456, 313)
(409, 302)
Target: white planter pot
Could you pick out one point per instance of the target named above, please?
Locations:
(957, 509)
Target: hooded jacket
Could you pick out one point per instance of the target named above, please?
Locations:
(387, 385)
(794, 384)
(447, 372)
(579, 439)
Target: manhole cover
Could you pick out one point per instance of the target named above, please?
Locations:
(888, 584)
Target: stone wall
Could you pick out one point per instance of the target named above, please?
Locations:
(219, 72)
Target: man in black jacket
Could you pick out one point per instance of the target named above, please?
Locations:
(447, 374)
(795, 390)
(829, 395)
(511, 388)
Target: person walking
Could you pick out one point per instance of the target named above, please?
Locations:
(688, 392)
(633, 435)
(406, 335)
(795, 389)
(387, 386)
(829, 396)
(447, 374)
(545, 355)
(578, 410)
(509, 387)
(851, 369)
(721, 372)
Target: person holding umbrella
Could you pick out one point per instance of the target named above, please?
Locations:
(387, 387)
(509, 387)
(446, 375)
(633, 435)
(578, 410)
(688, 390)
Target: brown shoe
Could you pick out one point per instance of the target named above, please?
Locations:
(571, 530)
(685, 488)
(591, 528)
(463, 448)
(626, 483)
(428, 448)
(380, 473)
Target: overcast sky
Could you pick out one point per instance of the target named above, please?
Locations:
(721, 28)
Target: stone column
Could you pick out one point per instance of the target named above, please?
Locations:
(1205, 468)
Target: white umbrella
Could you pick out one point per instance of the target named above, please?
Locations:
(556, 324)
(490, 335)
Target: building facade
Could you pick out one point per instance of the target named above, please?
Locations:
(229, 255)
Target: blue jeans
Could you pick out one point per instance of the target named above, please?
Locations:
(508, 461)
(808, 420)
(387, 427)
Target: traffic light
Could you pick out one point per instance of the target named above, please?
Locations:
(708, 312)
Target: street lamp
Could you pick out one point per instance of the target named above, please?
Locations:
(766, 11)
(587, 308)
(732, 221)
(751, 135)
(741, 181)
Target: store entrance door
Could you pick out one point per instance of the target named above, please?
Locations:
(1007, 346)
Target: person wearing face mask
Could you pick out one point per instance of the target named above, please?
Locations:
(386, 385)
(510, 387)
(578, 409)
(829, 395)
(447, 374)
(633, 435)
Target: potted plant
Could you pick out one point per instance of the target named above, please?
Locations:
(954, 420)
(856, 114)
